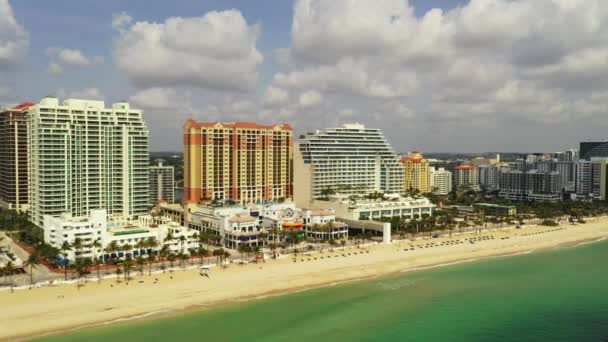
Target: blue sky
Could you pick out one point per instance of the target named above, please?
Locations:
(444, 78)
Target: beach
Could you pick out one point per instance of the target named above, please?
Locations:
(47, 310)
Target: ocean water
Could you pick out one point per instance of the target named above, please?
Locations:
(559, 295)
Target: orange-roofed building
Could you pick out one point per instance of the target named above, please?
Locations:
(466, 177)
(416, 173)
(240, 161)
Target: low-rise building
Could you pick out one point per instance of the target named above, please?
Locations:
(121, 232)
(389, 206)
(490, 209)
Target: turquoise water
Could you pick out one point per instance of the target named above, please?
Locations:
(558, 295)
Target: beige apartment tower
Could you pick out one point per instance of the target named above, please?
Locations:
(239, 161)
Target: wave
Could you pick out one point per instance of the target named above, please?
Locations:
(439, 265)
(590, 242)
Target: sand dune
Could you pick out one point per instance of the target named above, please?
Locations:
(40, 311)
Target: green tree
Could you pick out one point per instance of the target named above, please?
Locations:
(32, 262)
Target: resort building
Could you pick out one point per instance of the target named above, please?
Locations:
(416, 174)
(394, 205)
(348, 160)
(84, 156)
(256, 225)
(441, 180)
(238, 161)
(162, 182)
(127, 235)
(466, 177)
(14, 128)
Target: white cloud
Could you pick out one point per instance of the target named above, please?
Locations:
(62, 58)
(275, 97)
(492, 62)
(215, 51)
(14, 39)
(311, 98)
(72, 57)
(156, 98)
(121, 21)
(55, 69)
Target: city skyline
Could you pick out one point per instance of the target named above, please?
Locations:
(432, 74)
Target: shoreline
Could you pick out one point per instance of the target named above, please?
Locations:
(400, 262)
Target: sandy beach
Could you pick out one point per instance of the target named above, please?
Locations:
(40, 311)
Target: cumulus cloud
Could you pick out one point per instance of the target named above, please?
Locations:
(14, 39)
(215, 51)
(156, 98)
(492, 62)
(276, 97)
(60, 58)
(311, 98)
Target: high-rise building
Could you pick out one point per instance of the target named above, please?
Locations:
(590, 149)
(467, 177)
(239, 161)
(489, 176)
(441, 180)
(84, 156)
(13, 157)
(416, 171)
(530, 185)
(162, 181)
(583, 178)
(351, 159)
(592, 178)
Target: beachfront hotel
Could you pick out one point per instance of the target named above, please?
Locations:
(237, 225)
(238, 161)
(351, 159)
(162, 180)
(84, 156)
(14, 183)
(124, 233)
(416, 173)
(390, 205)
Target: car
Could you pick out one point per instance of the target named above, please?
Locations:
(435, 236)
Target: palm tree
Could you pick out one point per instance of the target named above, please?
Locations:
(183, 258)
(96, 244)
(118, 273)
(127, 267)
(151, 258)
(163, 254)
(140, 264)
(32, 261)
(65, 247)
(78, 245)
(273, 247)
(152, 245)
(112, 248)
(219, 254)
(171, 258)
(182, 240)
(127, 249)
